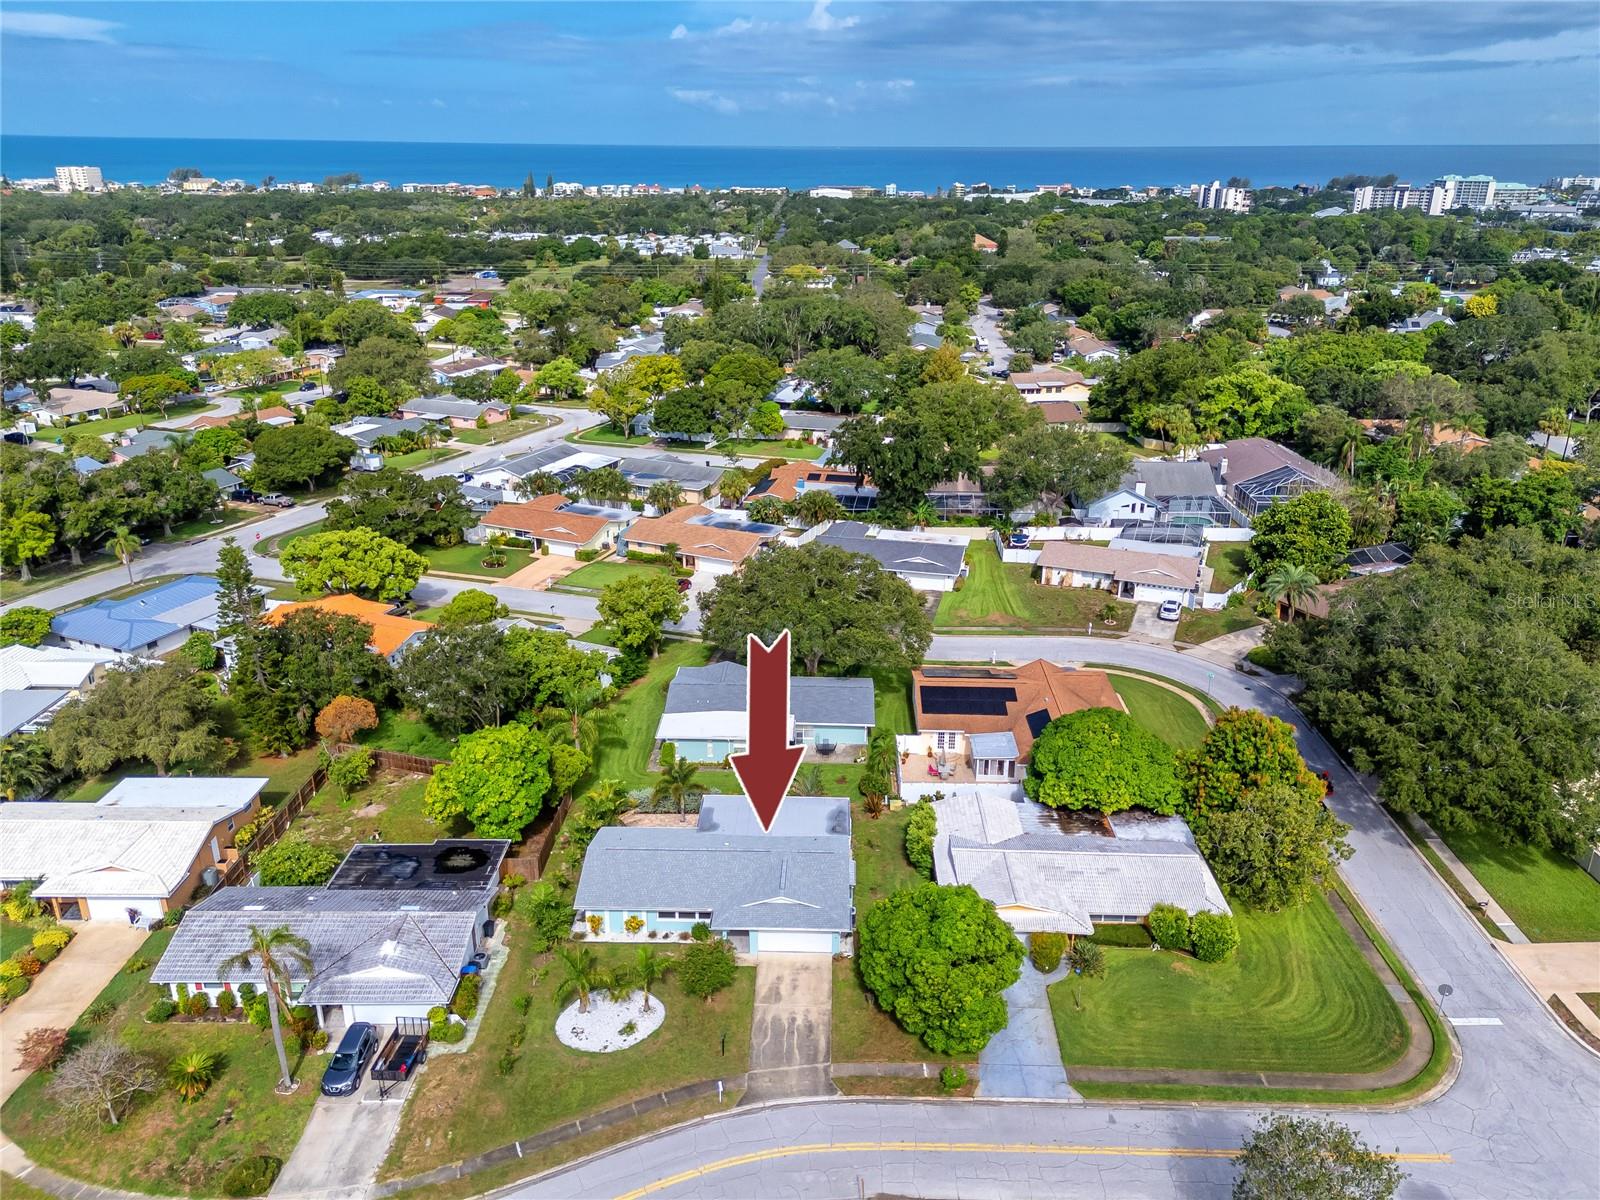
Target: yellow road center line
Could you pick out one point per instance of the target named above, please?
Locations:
(744, 1160)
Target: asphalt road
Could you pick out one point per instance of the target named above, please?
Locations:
(985, 323)
(1522, 1118)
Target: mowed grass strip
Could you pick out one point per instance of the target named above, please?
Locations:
(628, 724)
(1169, 716)
(1549, 896)
(1297, 996)
(596, 575)
(1006, 595)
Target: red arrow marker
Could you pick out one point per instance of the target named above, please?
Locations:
(767, 767)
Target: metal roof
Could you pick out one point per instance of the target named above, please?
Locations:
(103, 850)
(137, 621)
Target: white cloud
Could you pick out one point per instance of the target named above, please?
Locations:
(737, 25)
(57, 27)
(899, 85)
(679, 32)
(438, 103)
(712, 101)
(824, 21)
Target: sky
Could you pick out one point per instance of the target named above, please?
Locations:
(822, 73)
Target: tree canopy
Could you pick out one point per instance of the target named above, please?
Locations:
(1102, 759)
(353, 560)
(499, 779)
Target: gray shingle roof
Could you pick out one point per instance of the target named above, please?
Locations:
(761, 881)
(366, 947)
(721, 687)
(895, 553)
(1162, 479)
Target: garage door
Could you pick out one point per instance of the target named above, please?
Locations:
(772, 942)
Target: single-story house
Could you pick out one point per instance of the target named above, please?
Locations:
(1090, 348)
(561, 461)
(37, 680)
(566, 526)
(455, 412)
(1257, 472)
(1061, 412)
(928, 566)
(229, 486)
(925, 335)
(367, 432)
(794, 479)
(695, 481)
(461, 365)
(1131, 575)
(150, 622)
(1421, 323)
(86, 466)
(810, 425)
(639, 346)
(63, 405)
(141, 850)
(275, 415)
(136, 443)
(978, 724)
(1160, 491)
(392, 634)
(1052, 383)
(789, 889)
(389, 933)
(706, 719)
(1049, 881)
(706, 539)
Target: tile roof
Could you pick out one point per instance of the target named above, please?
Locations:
(389, 631)
(1060, 412)
(546, 517)
(698, 541)
(1250, 458)
(788, 481)
(136, 621)
(1034, 688)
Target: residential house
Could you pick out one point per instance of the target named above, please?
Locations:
(706, 719)
(1159, 490)
(1257, 473)
(561, 461)
(1333, 305)
(389, 934)
(1129, 574)
(64, 405)
(392, 634)
(810, 425)
(926, 564)
(716, 542)
(1090, 348)
(1378, 560)
(925, 334)
(1043, 880)
(367, 432)
(789, 889)
(448, 370)
(455, 412)
(794, 479)
(984, 245)
(962, 497)
(977, 725)
(696, 482)
(1051, 383)
(275, 415)
(150, 622)
(35, 681)
(1421, 322)
(1061, 412)
(138, 852)
(566, 526)
(229, 486)
(642, 345)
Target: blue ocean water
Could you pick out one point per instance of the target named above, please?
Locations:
(148, 160)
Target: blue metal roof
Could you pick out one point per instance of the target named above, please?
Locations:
(134, 621)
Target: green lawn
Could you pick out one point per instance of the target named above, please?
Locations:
(468, 560)
(463, 1105)
(1296, 996)
(283, 775)
(879, 847)
(53, 433)
(1006, 595)
(1549, 896)
(773, 448)
(628, 724)
(1169, 716)
(420, 458)
(388, 809)
(406, 733)
(863, 1032)
(163, 1145)
(892, 694)
(1229, 563)
(1196, 626)
(604, 435)
(502, 432)
(596, 575)
(14, 937)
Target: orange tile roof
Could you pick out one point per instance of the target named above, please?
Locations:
(784, 482)
(389, 632)
(697, 541)
(542, 517)
(1038, 685)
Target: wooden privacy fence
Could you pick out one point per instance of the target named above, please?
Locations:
(530, 856)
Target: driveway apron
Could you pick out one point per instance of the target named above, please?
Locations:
(791, 1040)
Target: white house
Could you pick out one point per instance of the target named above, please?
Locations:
(1131, 575)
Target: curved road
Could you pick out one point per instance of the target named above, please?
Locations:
(1522, 1119)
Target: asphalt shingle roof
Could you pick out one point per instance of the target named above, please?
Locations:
(895, 553)
(721, 687)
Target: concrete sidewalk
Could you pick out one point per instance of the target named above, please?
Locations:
(1561, 969)
(1480, 894)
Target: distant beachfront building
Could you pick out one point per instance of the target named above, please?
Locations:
(79, 179)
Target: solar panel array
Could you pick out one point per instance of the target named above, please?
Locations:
(1037, 720)
(967, 701)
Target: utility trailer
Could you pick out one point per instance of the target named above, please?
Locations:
(402, 1054)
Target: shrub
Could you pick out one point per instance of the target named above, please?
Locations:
(588, 555)
(56, 938)
(920, 829)
(297, 862)
(1265, 658)
(684, 936)
(136, 964)
(522, 1004)
(247, 993)
(100, 1011)
(438, 1015)
(199, 651)
(707, 968)
(45, 953)
(449, 1033)
(633, 924)
(465, 1002)
(162, 1010)
(192, 1074)
(595, 922)
(41, 1049)
(1133, 937)
(12, 988)
(251, 1176)
(669, 755)
(197, 1005)
(302, 1019)
(19, 903)
(952, 1079)
(245, 834)
(27, 963)
(318, 1040)
(1214, 936)
(10, 969)
(227, 1004)
(258, 1013)
(351, 770)
(183, 994)
(1169, 925)
(1045, 950)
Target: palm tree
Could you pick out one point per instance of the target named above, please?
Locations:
(1292, 585)
(664, 496)
(579, 699)
(582, 975)
(273, 954)
(540, 483)
(605, 800)
(191, 1074)
(1553, 424)
(679, 785)
(924, 513)
(648, 968)
(124, 543)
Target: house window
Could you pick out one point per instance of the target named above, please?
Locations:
(683, 916)
(945, 740)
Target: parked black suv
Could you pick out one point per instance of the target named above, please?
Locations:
(343, 1076)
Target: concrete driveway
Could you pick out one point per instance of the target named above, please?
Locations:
(64, 989)
(1152, 628)
(791, 1037)
(344, 1143)
(1023, 1060)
